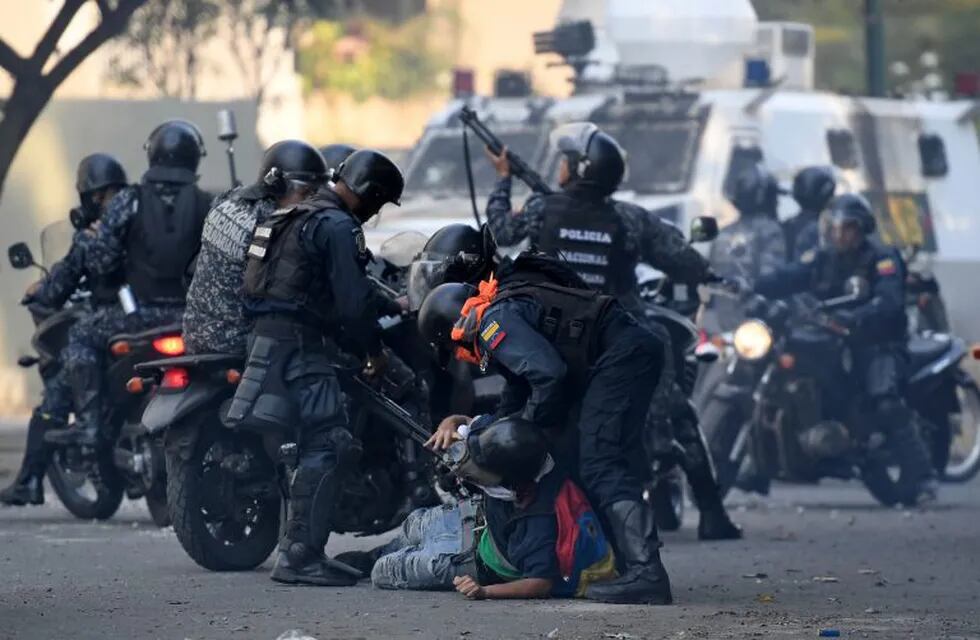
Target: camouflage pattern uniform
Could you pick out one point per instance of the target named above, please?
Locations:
(753, 246)
(214, 320)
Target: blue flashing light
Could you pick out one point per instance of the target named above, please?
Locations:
(757, 73)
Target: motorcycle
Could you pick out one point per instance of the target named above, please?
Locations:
(227, 487)
(924, 300)
(771, 409)
(91, 483)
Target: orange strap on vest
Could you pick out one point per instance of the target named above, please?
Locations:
(470, 318)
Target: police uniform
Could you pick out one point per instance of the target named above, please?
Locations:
(559, 347)
(749, 248)
(603, 239)
(65, 277)
(802, 233)
(878, 335)
(214, 318)
(306, 283)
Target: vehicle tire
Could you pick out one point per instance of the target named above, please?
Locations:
(720, 424)
(92, 495)
(156, 504)
(221, 541)
(667, 500)
(963, 455)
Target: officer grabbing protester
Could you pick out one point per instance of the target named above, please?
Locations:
(149, 234)
(603, 240)
(215, 319)
(305, 282)
(813, 189)
(562, 346)
(99, 178)
(877, 328)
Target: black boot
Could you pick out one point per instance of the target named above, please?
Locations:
(86, 388)
(301, 560)
(28, 487)
(918, 477)
(644, 579)
(363, 561)
(715, 523)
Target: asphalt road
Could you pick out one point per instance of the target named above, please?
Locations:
(814, 558)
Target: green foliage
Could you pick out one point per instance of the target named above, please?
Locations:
(367, 57)
(949, 27)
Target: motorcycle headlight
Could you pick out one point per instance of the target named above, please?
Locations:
(752, 340)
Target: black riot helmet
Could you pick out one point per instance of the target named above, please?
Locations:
(98, 171)
(177, 144)
(813, 188)
(509, 451)
(291, 161)
(756, 192)
(334, 155)
(852, 208)
(595, 159)
(441, 310)
(455, 253)
(373, 177)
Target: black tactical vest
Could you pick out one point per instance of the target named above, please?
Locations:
(572, 316)
(278, 269)
(163, 238)
(589, 234)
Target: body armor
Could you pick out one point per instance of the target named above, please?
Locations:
(162, 240)
(278, 268)
(589, 235)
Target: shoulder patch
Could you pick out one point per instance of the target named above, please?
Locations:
(886, 267)
(359, 239)
(808, 256)
(489, 332)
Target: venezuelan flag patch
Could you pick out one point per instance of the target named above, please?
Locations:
(886, 267)
(490, 331)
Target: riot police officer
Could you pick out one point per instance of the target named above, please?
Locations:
(214, 320)
(603, 240)
(877, 327)
(560, 344)
(813, 189)
(149, 233)
(305, 281)
(99, 178)
(752, 246)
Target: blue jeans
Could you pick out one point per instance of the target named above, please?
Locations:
(434, 546)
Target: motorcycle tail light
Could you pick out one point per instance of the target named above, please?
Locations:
(169, 345)
(233, 376)
(175, 379)
(134, 385)
(975, 351)
(787, 361)
(120, 348)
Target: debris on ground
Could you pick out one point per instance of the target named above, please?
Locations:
(825, 579)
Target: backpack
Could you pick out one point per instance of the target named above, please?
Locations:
(584, 554)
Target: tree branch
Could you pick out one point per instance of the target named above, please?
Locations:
(10, 61)
(111, 25)
(57, 29)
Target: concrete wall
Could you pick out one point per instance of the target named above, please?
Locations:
(40, 190)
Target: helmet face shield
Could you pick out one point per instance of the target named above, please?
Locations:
(573, 138)
(425, 274)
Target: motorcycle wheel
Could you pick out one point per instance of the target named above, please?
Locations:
(237, 541)
(667, 499)
(156, 504)
(963, 433)
(94, 494)
(721, 423)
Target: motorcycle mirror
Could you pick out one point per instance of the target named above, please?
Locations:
(857, 287)
(227, 131)
(20, 256)
(704, 229)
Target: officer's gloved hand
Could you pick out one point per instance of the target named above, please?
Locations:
(844, 319)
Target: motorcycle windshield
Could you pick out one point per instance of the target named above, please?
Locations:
(401, 248)
(55, 242)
